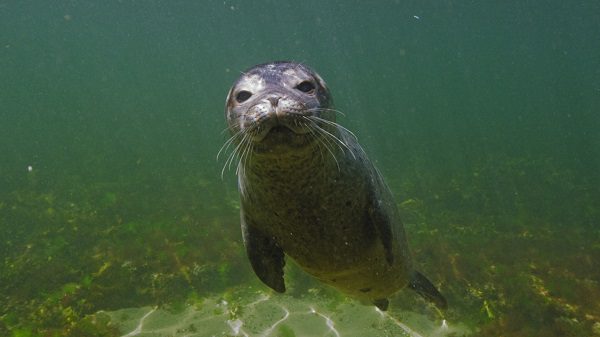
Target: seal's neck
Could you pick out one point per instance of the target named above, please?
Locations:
(298, 161)
(295, 168)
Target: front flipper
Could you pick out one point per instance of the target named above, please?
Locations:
(419, 283)
(265, 256)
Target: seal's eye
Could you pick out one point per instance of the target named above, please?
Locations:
(306, 87)
(243, 96)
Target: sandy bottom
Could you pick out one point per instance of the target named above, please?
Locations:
(279, 315)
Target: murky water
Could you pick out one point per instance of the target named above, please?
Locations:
(483, 117)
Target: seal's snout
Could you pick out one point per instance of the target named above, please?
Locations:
(278, 114)
(276, 111)
(274, 100)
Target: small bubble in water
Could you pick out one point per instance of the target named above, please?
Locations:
(29, 168)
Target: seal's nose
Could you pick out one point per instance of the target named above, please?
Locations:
(274, 100)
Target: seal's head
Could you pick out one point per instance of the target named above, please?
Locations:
(276, 104)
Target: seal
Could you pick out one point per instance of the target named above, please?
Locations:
(309, 191)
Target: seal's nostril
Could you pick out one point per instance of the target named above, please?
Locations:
(274, 100)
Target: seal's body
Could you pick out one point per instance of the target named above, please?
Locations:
(309, 191)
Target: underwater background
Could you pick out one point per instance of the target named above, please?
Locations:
(483, 117)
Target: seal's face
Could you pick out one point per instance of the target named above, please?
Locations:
(277, 103)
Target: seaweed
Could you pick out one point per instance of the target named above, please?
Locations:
(511, 263)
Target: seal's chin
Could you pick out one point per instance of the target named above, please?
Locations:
(280, 134)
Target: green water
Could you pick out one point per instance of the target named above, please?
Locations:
(483, 117)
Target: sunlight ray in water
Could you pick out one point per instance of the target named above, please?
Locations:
(403, 326)
(262, 315)
(328, 321)
(140, 325)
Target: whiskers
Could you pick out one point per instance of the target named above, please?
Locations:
(331, 141)
(326, 110)
(331, 138)
(242, 151)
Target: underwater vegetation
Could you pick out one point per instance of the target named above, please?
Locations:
(513, 244)
(68, 254)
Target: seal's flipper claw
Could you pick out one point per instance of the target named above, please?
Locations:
(382, 304)
(266, 258)
(419, 283)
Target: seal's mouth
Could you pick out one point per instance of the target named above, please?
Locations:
(279, 133)
(282, 135)
(280, 129)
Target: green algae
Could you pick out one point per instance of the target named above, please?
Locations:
(96, 259)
